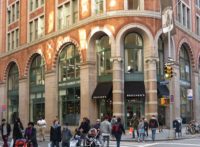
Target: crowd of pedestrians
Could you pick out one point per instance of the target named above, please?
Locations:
(100, 132)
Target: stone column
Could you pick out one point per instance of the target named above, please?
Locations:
(176, 91)
(3, 98)
(118, 92)
(195, 87)
(51, 97)
(151, 102)
(24, 100)
(88, 81)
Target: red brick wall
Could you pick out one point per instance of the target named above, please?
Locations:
(119, 5)
(36, 13)
(49, 16)
(23, 22)
(153, 5)
(13, 26)
(84, 13)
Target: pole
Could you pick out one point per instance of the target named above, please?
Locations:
(170, 92)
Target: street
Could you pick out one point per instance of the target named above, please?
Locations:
(194, 142)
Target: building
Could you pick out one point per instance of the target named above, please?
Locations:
(76, 58)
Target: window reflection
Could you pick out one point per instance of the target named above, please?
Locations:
(160, 64)
(103, 56)
(133, 53)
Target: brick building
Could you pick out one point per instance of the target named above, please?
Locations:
(76, 58)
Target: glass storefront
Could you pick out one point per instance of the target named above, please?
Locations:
(69, 85)
(185, 83)
(37, 89)
(105, 107)
(13, 93)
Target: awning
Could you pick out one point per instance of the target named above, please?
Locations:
(163, 91)
(134, 89)
(103, 91)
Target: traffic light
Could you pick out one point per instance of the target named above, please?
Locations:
(168, 72)
(164, 101)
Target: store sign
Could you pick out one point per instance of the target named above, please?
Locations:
(69, 83)
(189, 94)
(3, 108)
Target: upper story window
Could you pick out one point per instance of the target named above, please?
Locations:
(64, 16)
(99, 6)
(160, 64)
(13, 39)
(35, 4)
(133, 45)
(67, 14)
(36, 28)
(197, 2)
(13, 12)
(135, 4)
(184, 14)
(103, 56)
(197, 25)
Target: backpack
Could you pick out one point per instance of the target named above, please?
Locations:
(152, 123)
(115, 129)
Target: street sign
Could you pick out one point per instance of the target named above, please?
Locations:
(3, 108)
(172, 98)
(164, 83)
(189, 94)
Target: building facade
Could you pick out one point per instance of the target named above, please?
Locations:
(89, 58)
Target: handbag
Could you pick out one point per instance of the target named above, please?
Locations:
(49, 144)
(130, 130)
(11, 143)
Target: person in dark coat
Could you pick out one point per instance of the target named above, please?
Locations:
(84, 128)
(5, 132)
(17, 130)
(55, 134)
(117, 131)
(66, 136)
(153, 124)
(146, 127)
(31, 135)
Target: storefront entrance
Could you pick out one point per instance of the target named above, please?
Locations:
(133, 106)
(38, 108)
(105, 107)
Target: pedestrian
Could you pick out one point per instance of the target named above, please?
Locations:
(41, 125)
(97, 127)
(84, 128)
(153, 124)
(18, 129)
(5, 132)
(117, 131)
(146, 127)
(31, 135)
(66, 136)
(55, 134)
(141, 130)
(113, 120)
(160, 121)
(134, 123)
(105, 129)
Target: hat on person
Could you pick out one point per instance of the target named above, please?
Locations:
(98, 120)
(106, 116)
(31, 123)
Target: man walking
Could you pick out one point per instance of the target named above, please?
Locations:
(153, 124)
(105, 129)
(134, 123)
(5, 132)
(42, 125)
(66, 136)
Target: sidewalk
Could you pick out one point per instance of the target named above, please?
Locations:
(160, 136)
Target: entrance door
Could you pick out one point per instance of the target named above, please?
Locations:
(132, 108)
(105, 107)
(38, 110)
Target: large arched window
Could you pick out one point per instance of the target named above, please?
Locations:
(133, 53)
(160, 64)
(186, 105)
(37, 89)
(13, 92)
(69, 85)
(103, 56)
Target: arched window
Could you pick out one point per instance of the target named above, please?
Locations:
(186, 104)
(69, 63)
(103, 56)
(37, 89)
(13, 93)
(184, 64)
(69, 85)
(160, 64)
(133, 53)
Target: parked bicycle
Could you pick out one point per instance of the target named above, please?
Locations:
(193, 127)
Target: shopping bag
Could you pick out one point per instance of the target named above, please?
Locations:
(130, 130)
(141, 131)
(73, 143)
(49, 144)
(11, 143)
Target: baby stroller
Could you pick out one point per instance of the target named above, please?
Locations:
(21, 143)
(92, 138)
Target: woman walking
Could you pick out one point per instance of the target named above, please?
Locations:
(31, 135)
(55, 134)
(141, 130)
(17, 130)
(117, 131)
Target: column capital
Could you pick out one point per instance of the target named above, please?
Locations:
(116, 59)
(151, 60)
